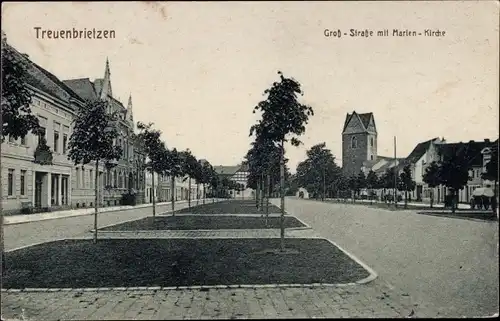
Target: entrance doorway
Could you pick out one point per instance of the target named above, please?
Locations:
(38, 189)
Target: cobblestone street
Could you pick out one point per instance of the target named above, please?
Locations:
(370, 300)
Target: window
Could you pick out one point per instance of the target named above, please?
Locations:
(41, 134)
(91, 180)
(65, 143)
(23, 140)
(10, 183)
(354, 142)
(23, 182)
(56, 141)
(371, 157)
(371, 141)
(83, 178)
(77, 177)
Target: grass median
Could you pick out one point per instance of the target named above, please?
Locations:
(177, 262)
(230, 207)
(198, 222)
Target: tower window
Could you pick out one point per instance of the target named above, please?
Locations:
(371, 157)
(371, 141)
(354, 142)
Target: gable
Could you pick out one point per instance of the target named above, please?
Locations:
(354, 125)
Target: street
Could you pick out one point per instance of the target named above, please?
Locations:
(19, 235)
(435, 267)
(449, 267)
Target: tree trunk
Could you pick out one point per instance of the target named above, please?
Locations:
(172, 194)
(153, 190)
(453, 201)
(257, 195)
(189, 192)
(494, 203)
(267, 198)
(197, 193)
(282, 192)
(406, 199)
(204, 194)
(432, 197)
(371, 196)
(96, 198)
(262, 192)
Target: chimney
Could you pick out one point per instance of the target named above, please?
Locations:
(471, 141)
(486, 140)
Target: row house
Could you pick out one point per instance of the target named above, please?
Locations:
(238, 174)
(434, 150)
(31, 177)
(127, 175)
(180, 189)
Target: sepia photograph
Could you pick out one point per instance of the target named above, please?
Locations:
(178, 160)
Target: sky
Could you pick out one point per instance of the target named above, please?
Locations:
(197, 69)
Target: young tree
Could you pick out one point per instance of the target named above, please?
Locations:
(175, 169)
(432, 179)
(153, 146)
(282, 115)
(92, 140)
(188, 163)
(454, 169)
(16, 117)
(360, 182)
(207, 173)
(371, 183)
(406, 183)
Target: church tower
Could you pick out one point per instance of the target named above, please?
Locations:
(106, 83)
(130, 115)
(359, 142)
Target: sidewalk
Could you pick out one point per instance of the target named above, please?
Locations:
(419, 204)
(27, 218)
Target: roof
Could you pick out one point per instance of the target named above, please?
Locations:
(83, 87)
(382, 163)
(42, 79)
(364, 118)
(419, 151)
(473, 149)
(229, 170)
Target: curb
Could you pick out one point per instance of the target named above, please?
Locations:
(373, 275)
(124, 208)
(192, 287)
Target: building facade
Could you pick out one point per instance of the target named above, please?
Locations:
(359, 142)
(127, 175)
(47, 180)
(237, 174)
(32, 178)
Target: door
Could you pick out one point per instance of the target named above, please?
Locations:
(38, 190)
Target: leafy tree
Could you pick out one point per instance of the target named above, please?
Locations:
(319, 171)
(454, 169)
(282, 116)
(360, 182)
(189, 165)
(491, 174)
(175, 169)
(432, 179)
(406, 183)
(371, 183)
(387, 182)
(207, 174)
(16, 117)
(92, 139)
(153, 146)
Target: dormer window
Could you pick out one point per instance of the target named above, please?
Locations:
(354, 142)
